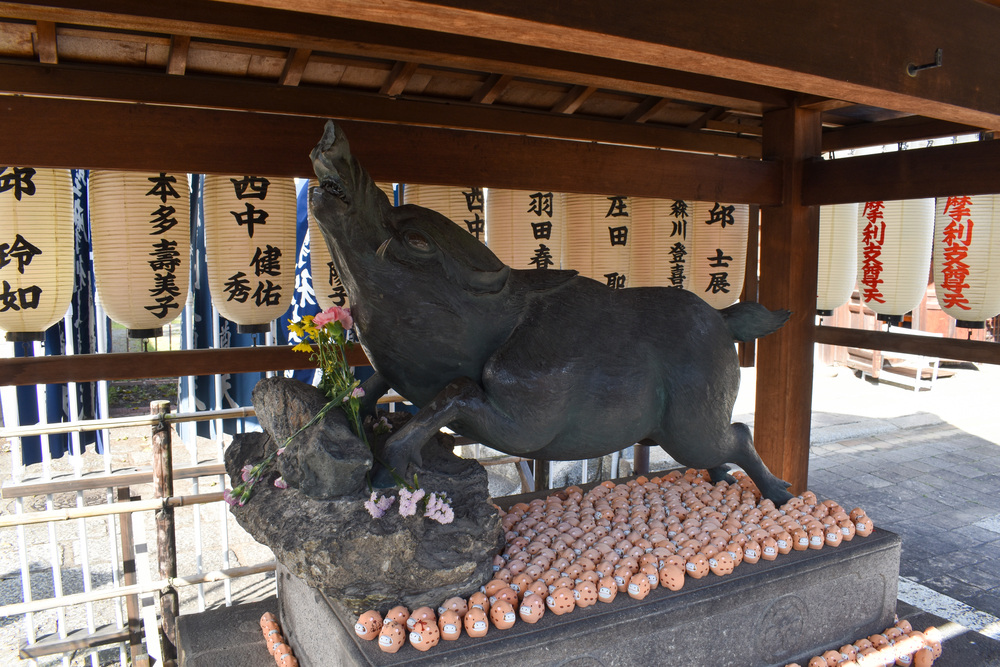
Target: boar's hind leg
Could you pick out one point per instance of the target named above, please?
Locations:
(745, 456)
(461, 400)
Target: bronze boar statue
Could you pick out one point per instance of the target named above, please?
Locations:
(538, 363)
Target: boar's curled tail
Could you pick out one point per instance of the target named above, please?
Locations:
(748, 320)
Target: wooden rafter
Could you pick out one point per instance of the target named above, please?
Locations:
(573, 99)
(210, 20)
(491, 88)
(177, 59)
(235, 94)
(646, 109)
(399, 76)
(801, 52)
(295, 65)
(46, 42)
(715, 113)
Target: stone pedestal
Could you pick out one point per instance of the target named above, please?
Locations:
(768, 613)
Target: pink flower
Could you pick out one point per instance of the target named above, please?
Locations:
(439, 509)
(358, 392)
(334, 314)
(377, 506)
(408, 501)
(227, 495)
(246, 472)
(281, 450)
(281, 483)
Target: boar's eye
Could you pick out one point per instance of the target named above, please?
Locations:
(417, 241)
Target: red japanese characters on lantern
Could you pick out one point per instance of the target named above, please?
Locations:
(956, 237)
(872, 238)
(967, 258)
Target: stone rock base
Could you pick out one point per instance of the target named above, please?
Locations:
(767, 613)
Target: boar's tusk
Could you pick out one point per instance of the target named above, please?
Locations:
(380, 253)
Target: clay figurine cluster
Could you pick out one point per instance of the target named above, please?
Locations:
(575, 549)
(898, 645)
(276, 644)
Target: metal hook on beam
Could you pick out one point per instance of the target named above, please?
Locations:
(912, 69)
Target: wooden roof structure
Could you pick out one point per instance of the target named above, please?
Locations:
(715, 100)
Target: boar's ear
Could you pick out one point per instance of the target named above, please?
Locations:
(487, 282)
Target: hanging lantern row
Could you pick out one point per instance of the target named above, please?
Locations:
(36, 250)
(250, 248)
(141, 230)
(892, 242)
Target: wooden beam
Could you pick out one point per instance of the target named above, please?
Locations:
(646, 110)
(178, 56)
(295, 65)
(139, 365)
(68, 134)
(789, 250)
(975, 351)
(45, 45)
(786, 43)
(573, 99)
(210, 20)
(249, 95)
(911, 128)
(491, 88)
(399, 76)
(938, 171)
(712, 114)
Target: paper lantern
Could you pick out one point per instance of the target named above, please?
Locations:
(718, 251)
(250, 248)
(597, 238)
(36, 250)
(838, 256)
(660, 229)
(466, 207)
(967, 258)
(894, 254)
(140, 224)
(525, 228)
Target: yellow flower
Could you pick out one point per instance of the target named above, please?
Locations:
(295, 328)
(303, 347)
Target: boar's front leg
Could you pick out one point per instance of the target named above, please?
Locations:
(375, 388)
(461, 400)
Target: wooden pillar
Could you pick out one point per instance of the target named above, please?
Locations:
(166, 546)
(789, 238)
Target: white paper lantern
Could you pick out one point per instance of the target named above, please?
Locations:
(250, 248)
(525, 228)
(141, 230)
(36, 250)
(967, 258)
(718, 251)
(838, 256)
(466, 207)
(894, 254)
(598, 242)
(660, 229)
